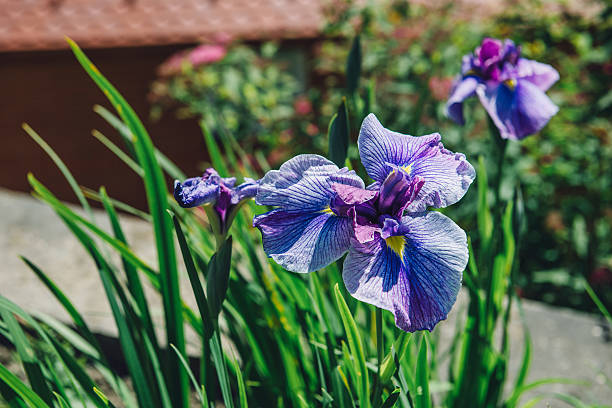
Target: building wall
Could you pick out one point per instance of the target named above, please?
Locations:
(51, 92)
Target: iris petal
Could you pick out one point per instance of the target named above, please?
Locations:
(447, 175)
(541, 75)
(304, 183)
(419, 283)
(518, 109)
(304, 242)
(246, 190)
(462, 89)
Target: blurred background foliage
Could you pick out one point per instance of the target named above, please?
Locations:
(411, 54)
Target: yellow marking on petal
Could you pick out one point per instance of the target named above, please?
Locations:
(510, 83)
(407, 168)
(328, 210)
(397, 244)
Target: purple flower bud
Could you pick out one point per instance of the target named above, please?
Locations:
(211, 189)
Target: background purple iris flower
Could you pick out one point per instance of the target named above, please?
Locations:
(512, 89)
(400, 258)
(221, 192)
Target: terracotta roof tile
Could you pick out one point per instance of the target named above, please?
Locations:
(42, 24)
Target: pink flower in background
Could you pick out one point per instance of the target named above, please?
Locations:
(440, 87)
(312, 129)
(205, 54)
(302, 106)
(201, 55)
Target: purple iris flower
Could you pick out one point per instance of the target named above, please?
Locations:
(304, 233)
(221, 192)
(512, 89)
(401, 258)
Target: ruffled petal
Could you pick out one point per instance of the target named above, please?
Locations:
(541, 75)
(304, 242)
(518, 108)
(462, 89)
(381, 150)
(416, 276)
(447, 175)
(304, 183)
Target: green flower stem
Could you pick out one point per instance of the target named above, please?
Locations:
(379, 338)
(215, 225)
(380, 357)
(501, 147)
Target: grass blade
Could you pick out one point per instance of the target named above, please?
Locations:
(356, 348)
(65, 211)
(198, 389)
(422, 398)
(94, 195)
(118, 152)
(21, 389)
(28, 358)
(133, 280)
(597, 301)
(242, 395)
(59, 352)
(221, 366)
(391, 399)
(157, 199)
(194, 279)
(61, 401)
(76, 317)
(63, 168)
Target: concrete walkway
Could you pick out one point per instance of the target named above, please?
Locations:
(565, 343)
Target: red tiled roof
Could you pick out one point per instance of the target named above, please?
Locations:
(42, 24)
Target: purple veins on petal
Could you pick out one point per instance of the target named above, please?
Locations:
(304, 183)
(304, 242)
(446, 175)
(416, 275)
(304, 233)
